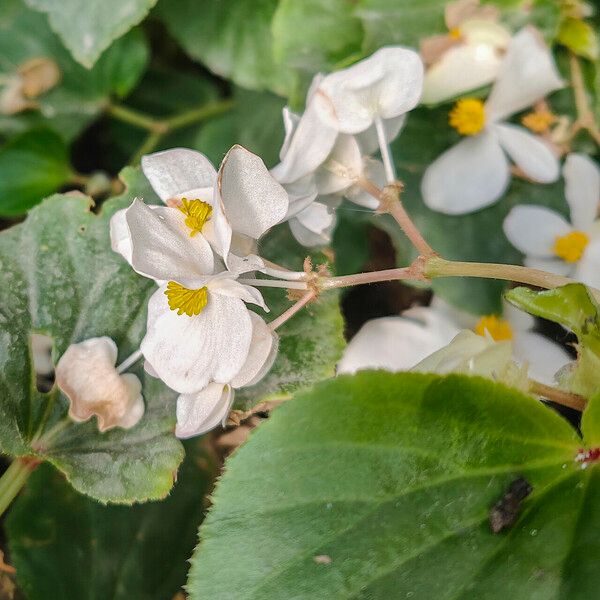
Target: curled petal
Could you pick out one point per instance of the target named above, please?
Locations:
(200, 412)
(314, 225)
(120, 238)
(342, 167)
(189, 352)
(175, 173)
(527, 74)
(301, 194)
(226, 286)
(533, 229)
(385, 85)
(529, 152)
(582, 189)
(253, 200)
(543, 357)
(375, 172)
(290, 122)
(86, 374)
(470, 176)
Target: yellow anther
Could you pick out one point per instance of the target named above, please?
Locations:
(197, 213)
(455, 33)
(571, 247)
(539, 121)
(468, 116)
(183, 300)
(497, 329)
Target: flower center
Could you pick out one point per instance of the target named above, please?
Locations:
(183, 300)
(197, 213)
(468, 116)
(571, 247)
(538, 121)
(455, 33)
(498, 329)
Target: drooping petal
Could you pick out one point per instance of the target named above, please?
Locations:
(120, 238)
(244, 264)
(226, 286)
(543, 357)
(582, 189)
(396, 343)
(341, 168)
(386, 85)
(533, 229)
(373, 171)
(314, 225)
(253, 200)
(529, 152)
(189, 352)
(290, 122)
(309, 146)
(368, 140)
(527, 74)
(162, 247)
(301, 193)
(86, 374)
(588, 268)
(263, 350)
(218, 230)
(174, 173)
(200, 412)
(467, 177)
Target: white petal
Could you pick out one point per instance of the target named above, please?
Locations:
(533, 229)
(309, 238)
(162, 248)
(341, 168)
(200, 412)
(518, 319)
(263, 350)
(310, 145)
(551, 265)
(189, 352)
(317, 217)
(368, 140)
(252, 199)
(225, 286)
(245, 264)
(470, 176)
(588, 268)
(301, 194)
(396, 343)
(582, 189)
(529, 152)
(218, 229)
(543, 356)
(120, 238)
(290, 122)
(86, 374)
(375, 172)
(386, 85)
(479, 32)
(527, 74)
(461, 68)
(174, 173)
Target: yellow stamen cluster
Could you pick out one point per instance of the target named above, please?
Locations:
(571, 247)
(539, 121)
(455, 33)
(491, 325)
(468, 116)
(183, 300)
(197, 213)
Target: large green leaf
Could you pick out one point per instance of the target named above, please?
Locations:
(232, 38)
(32, 166)
(380, 486)
(76, 548)
(60, 277)
(477, 236)
(81, 93)
(89, 32)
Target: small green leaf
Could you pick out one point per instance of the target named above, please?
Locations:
(579, 37)
(60, 277)
(76, 548)
(380, 486)
(590, 421)
(232, 39)
(32, 166)
(88, 33)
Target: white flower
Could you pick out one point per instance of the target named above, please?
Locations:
(384, 86)
(552, 243)
(200, 412)
(86, 374)
(475, 173)
(399, 343)
(468, 56)
(243, 200)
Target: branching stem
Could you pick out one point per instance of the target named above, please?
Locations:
(13, 480)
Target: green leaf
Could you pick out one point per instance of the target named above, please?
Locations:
(313, 35)
(311, 343)
(590, 421)
(32, 166)
(81, 93)
(232, 39)
(380, 486)
(88, 33)
(60, 277)
(579, 37)
(477, 236)
(76, 548)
